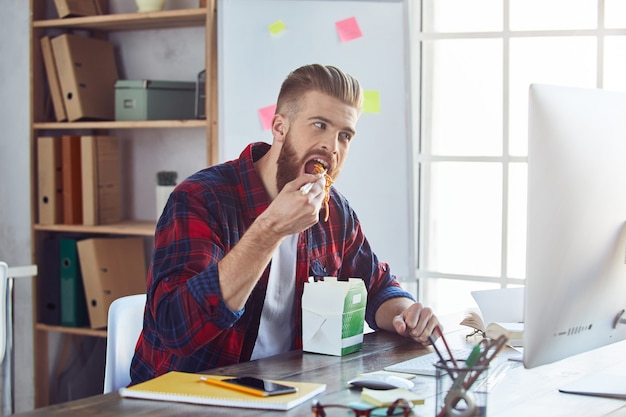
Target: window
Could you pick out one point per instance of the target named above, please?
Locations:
(477, 60)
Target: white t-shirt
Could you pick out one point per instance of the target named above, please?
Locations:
(277, 319)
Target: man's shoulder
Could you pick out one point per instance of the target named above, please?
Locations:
(217, 178)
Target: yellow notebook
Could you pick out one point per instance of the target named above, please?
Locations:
(188, 388)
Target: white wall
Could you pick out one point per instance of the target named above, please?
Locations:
(381, 197)
(15, 241)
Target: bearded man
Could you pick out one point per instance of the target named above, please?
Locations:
(237, 241)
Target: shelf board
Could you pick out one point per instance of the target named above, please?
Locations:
(131, 21)
(134, 228)
(140, 124)
(82, 331)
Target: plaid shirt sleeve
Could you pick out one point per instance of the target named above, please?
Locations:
(187, 325)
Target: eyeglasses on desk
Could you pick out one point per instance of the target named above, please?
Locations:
(398, 407)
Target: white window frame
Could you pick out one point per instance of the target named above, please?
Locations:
(423, 157)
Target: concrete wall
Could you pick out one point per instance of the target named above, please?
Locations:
(15, 213)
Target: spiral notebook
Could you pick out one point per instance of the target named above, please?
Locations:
(188, 388)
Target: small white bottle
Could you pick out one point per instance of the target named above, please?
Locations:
(166, 182)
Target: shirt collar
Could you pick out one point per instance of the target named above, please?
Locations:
(254, 193)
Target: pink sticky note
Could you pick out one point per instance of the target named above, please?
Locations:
(348, 29)
(266, 114)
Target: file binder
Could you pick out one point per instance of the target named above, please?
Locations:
(111, 268)
(49, 283)
(101, 180)
(73, 304)
(72, 182)
(87, 75)
(73, 8)
(49, 180)
(53, 79)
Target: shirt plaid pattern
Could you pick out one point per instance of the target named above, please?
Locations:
(187, 325)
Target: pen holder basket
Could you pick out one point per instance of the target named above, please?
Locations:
(461, 391)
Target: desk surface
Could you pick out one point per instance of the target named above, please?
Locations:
(522, 392)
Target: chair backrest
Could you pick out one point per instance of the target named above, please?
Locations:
(4, 275)
(125, 322)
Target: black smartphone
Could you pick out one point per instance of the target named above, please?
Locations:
(258, 386)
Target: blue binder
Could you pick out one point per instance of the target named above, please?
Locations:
(49, 283)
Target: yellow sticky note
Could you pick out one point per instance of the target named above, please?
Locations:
(371, 101)
(277, 27)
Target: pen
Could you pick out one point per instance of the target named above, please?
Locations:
(473, 357)
(443, 360)
(445, 343)
(432, 342)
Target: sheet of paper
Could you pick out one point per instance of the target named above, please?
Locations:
(501, 305)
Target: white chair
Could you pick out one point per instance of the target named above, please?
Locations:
(7, 276)
(4, 275)
(125, 322)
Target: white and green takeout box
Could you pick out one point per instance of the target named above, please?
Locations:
(333, 316)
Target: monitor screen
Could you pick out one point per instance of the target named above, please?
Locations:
(576, 237)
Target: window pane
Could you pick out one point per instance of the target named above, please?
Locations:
(558, 60)
(553, 14)
(448, 296)
(462, 15)
(615, 13)
(464, 228)
(516, 242)
(462, 96)
(615, 62)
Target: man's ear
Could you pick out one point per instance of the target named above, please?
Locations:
(279, 127)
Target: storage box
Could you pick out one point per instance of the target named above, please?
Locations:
(154, 100)
(333, 316)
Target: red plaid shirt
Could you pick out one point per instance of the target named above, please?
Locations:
(187, 325)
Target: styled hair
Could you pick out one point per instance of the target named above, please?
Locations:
(325, 79)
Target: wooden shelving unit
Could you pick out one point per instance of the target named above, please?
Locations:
(131, 21)
(148, 124)
(132, 228)
(41, 122)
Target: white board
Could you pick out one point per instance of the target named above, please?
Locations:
(377, 178)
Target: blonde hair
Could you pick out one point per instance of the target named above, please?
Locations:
(325, 79)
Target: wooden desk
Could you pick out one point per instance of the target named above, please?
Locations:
(522, 392)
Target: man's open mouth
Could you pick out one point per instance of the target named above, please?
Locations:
(315, 166)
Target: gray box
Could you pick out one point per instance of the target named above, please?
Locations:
(154, 100)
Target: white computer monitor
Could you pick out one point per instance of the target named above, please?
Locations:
(576, 247)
